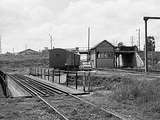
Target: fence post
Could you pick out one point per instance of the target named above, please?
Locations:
(84, 79)
(44, 73)
(53, 75)
(29, 71)
(41, 73)
(59, 76)
(89, 82)
(38, 71)
(34, 71)
(67, 77)
(7, 89)
(76, 80)
(48, 75)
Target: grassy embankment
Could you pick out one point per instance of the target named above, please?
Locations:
(142, 94)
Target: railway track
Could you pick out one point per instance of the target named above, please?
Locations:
(68, 106)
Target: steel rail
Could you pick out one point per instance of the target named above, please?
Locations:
(43, 85)
(60, 90)
(25, 86)
(101, 108)
(22, 85)
(38, 85)
(39, 91)
(35, 93)
(85, 101)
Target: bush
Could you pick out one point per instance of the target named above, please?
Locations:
(105, 82)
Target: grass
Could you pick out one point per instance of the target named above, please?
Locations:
(125, 90)
(10, 63)
(127, 87)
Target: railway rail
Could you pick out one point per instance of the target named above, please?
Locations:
(68, 106)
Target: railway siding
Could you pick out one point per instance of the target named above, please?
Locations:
(80, 110)
(58, 86)
(15, 89)
(66, 105)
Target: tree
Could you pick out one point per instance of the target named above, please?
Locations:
(150, 43)
(120, 44)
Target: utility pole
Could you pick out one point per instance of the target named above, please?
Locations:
(139, 37)
(51, 40)
(88, 41)
(131, 40)
(146, 45)
(0, 44)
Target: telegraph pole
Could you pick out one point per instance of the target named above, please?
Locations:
(88, 42)
(139, 37)
(146, 45)
(51, 40)
(0, 44)
(146, 53)
(131, 40)
(88, 39)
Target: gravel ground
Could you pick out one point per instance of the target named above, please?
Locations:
(25, 109)
(35, 109)
(75, 109)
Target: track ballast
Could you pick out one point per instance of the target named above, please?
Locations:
(68, 106)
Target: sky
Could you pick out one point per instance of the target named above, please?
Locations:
(28, 23)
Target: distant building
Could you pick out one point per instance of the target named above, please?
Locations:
(9, 54)
(102, 55)
(105, 55)
(28, 52)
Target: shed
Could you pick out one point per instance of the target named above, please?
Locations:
(102, 55)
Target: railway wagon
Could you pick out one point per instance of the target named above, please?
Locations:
(63, 59)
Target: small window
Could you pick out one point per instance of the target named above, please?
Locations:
(97, 55)
(110, 54)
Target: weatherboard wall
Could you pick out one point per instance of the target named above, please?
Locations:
(102, 56)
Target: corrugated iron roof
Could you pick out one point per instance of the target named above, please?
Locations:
(101, 43)
(28, 50)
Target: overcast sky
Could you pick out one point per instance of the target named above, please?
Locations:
(29, 22)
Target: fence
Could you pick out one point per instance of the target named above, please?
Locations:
(75, 79)
(3, 83)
